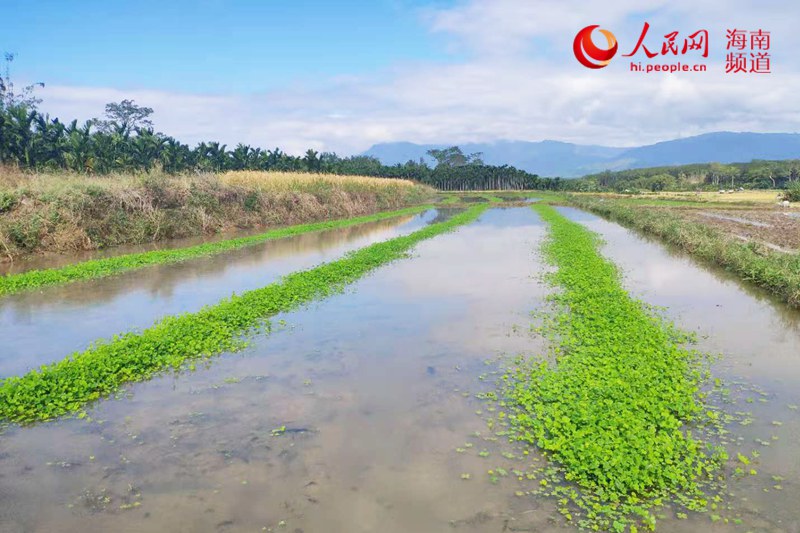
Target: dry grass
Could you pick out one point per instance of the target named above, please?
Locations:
(767, 196)
(34, 183)
(12, 178)
(300, 181)
(64, 212)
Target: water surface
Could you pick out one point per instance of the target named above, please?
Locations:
(42, 326)
(757, 338)
(373, 386)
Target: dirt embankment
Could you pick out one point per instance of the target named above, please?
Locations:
(66, 213)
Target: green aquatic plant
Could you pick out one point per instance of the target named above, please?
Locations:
(618, 406)
(101, 268)
(449, 199)
(177, 341)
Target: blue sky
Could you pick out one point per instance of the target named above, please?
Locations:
(212, 45)
(341, 76)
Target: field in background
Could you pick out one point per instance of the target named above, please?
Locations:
(63, 212)
(761, 198)
(755, 197)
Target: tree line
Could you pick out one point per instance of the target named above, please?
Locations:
(757, 174)
(124, 140)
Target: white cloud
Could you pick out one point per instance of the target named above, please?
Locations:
(520, 81)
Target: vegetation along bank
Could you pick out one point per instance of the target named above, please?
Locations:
(101, 268)
(71, 212)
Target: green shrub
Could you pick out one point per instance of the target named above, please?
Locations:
(7, 201)
(26, 233)
(793, 192)
(252, 201)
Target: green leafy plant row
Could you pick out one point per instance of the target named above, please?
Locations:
(66, 386)
(775, 271)
(100, 268)
(618, 404)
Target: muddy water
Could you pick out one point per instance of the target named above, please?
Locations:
(758, 339)
(373, 387)
(43, 326)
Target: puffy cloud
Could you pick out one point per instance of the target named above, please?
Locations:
(518, 81)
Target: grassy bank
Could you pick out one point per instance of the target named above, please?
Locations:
(70, 212)
(774, 271)
(66, 386)
(101, 268)
(614, 403)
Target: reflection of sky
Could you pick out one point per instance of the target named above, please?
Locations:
(376, 374)
(507, 218)
(498, 251)
(490, 268)
(40, 327)
(743, 322)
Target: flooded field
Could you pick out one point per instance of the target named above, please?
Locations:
(358, 413)
(40, 327)
(758, 342)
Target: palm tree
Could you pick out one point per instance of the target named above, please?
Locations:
(312, 160)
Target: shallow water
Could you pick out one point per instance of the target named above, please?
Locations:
(370, 385)
(43, 326)
(375, 388)
(57, 260)
(758, 340)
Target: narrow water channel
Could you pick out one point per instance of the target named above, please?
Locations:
(44, 326)
(757, 340)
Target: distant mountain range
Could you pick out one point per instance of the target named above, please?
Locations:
(554, 158)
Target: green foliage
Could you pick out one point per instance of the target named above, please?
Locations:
(252, 201)
(125, 141)
(454, 157)
(174, 342)
(774, 271)
(25, 233)
(615, 403)
(124, 116)
(792, 193)
(34, 141)
(757, 174)
(7, 201)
